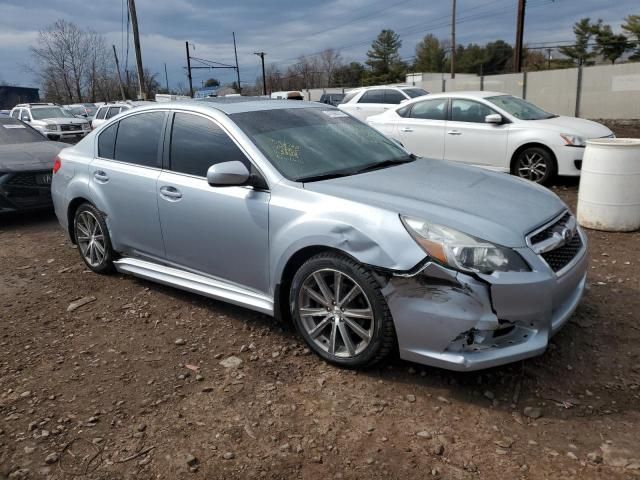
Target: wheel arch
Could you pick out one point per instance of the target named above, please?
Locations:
(524, 146)
(71, 213)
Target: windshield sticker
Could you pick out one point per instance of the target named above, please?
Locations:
(334, 113)
(13, 126)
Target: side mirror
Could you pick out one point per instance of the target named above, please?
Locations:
(493, 118)
(228, 174)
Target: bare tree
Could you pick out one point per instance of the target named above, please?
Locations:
(330, 59)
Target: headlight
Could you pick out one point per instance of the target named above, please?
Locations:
(461, 251)
(573, 140)
(85, 126)
(51, 127)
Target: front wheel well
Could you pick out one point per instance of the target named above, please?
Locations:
(522, 148)
(282, 312)
(71, 213)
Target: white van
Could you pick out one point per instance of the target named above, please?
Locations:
(289, 95)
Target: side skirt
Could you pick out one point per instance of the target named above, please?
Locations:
(193, 282)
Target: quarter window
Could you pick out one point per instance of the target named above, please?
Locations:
(372, 96)
(393, 97)
(469, 111)
(430, 109)
(107, 141)
(24, 115)
(197, 143)
(138, 139)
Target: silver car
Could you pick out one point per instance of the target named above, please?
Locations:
(302, 212)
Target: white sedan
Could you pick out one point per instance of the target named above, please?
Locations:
(492, 130)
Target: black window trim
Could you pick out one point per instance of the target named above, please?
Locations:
(166, 156)
(160, 154)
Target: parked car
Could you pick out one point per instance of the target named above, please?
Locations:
(492, 130)
(5, 113)
(86, 110)
(334, 99)
(26, 162)
(51, 120)
(288, 95)
(367, 101)
(298, 210)
(111, 109)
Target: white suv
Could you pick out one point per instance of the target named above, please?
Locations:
(109, 110)
(52, 120)
(367, 101)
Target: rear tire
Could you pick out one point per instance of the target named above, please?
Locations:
(338, 308)
(92, 237)
(535, 164)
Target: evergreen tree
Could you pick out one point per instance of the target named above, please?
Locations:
(610, 45)
(429, 55)
(581, 52)
(632, 27)
(384, 59)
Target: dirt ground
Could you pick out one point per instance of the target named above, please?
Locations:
(131, 385)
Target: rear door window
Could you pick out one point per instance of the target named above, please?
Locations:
(138, 139)
(372, 96)
(430, 109)
(113, 111)
(197, 143)
(101, 113)
(393, 97)
(24, 115)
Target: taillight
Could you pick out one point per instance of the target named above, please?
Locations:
(56, 164)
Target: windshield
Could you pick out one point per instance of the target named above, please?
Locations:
(415, 92)
(520, 108)
(49, 112)
(303, 143)
(13, 131)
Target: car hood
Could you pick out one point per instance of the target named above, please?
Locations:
(572, 125)
(21, 157)
(63, 120)
(488, 205)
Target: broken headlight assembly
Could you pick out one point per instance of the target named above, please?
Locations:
(461, 251)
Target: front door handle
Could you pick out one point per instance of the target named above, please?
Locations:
(406, 129)
(100, 176)
(454, 132)
(171, 193)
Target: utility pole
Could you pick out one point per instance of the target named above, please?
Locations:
(119, 76)
(522, 4)
(235, 51)
(136, 44)
(453, 40)
(189, 70)
(166, 77)
(264, 78)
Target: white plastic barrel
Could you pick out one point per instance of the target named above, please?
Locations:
(609, 194)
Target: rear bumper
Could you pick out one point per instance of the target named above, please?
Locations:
(454, 321)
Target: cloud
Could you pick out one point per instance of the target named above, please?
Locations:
(283, 29)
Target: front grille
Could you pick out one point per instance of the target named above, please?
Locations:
(548, 232)
(25, 179)
(68, 128)
(561, 257)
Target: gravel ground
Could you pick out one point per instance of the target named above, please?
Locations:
(145, 381)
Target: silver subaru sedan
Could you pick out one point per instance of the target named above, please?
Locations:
(300, 211)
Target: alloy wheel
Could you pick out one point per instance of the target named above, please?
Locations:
(533, 166)
(90, 238)
(336, 313)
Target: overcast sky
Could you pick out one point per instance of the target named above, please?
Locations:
(283, 31)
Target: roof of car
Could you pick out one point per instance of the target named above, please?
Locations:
(468, 94)
(231, 105)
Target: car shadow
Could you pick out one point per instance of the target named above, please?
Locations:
(18, 220)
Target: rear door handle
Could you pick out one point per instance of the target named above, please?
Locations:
(454, 132)
(170, 193)
(100, 176)
(406, 129)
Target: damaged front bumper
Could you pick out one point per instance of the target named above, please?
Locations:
(457, 321)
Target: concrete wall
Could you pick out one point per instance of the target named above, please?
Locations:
(604, 92)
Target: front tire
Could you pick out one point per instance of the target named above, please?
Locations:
(535, 164)
(92, 237)
(338, 308)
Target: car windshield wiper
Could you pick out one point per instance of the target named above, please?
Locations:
(386, 163)
(322, 176)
